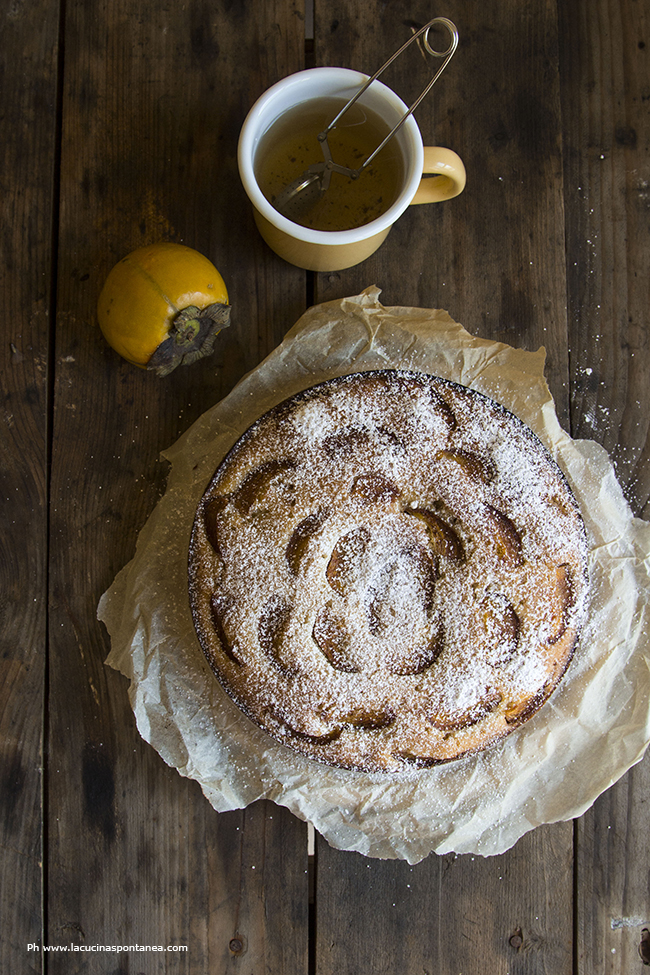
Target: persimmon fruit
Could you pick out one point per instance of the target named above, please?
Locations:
(162, 306)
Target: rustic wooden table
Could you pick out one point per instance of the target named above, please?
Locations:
(120, 125)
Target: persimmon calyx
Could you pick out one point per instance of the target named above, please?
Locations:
(191, 337)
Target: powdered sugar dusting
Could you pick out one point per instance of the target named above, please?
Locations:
(400, 565)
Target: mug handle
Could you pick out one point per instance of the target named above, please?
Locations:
(449, 179)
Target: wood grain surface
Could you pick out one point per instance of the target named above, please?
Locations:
(606, 124)
(120, 127)
(28, 151)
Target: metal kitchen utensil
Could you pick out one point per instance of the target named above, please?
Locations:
(301, 194)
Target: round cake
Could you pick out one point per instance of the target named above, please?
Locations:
(388, 571)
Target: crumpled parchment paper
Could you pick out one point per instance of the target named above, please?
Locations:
(595, 726)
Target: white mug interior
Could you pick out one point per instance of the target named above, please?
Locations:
(329, 82)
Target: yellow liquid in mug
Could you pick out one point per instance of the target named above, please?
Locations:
(291, 145)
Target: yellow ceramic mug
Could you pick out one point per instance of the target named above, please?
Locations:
(319, 250)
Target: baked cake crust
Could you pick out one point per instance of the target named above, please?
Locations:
(388, 571)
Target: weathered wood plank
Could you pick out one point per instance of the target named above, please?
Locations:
(29, 46)
(606, 86)
(613, 891)
(448, 914)
(153, 102)
(494, 258)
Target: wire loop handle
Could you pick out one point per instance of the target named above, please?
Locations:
(447, 55)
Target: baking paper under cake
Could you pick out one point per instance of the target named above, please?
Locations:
(388, 570)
